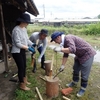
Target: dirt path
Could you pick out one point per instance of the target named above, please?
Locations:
(7, 87)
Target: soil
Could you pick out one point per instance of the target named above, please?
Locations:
(7, 87)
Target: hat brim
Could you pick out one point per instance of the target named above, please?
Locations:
(51, 41)
(21, 20)
(57, 36)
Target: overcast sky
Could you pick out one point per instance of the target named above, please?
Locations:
(67, 8)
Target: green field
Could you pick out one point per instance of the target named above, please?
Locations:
(93, 89)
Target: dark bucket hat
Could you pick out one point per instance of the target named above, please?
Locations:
(25, 18)
(55, 35)
(44, 31)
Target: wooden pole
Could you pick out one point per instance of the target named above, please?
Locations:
(56, 62)
(2, 32)
(51, 66)
(39, 94)
(65, 98)
(33, 60)
(43, 78)
(52, 62)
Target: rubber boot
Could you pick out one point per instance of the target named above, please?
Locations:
(25, 81)
(24, 87)
(34, 67)
(42, 64)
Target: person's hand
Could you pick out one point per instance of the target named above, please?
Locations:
(39, 60)
(34, 45)
(61, 68)
(31, 49)
(57, 49)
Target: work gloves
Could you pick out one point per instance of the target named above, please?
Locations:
(31, 49)
(39, 59)
(57, 49)
(61, 68)
(34, 45)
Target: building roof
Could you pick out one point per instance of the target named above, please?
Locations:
(10, 10)
(13, 8)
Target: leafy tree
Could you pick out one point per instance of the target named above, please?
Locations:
(99, 16)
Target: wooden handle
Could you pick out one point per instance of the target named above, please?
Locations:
(52, 62)
(15, 75)
(43, 78)
(65, 98)
(50, 73)
(39, 93)
(32, 60)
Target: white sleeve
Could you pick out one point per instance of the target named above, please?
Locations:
(44, 48)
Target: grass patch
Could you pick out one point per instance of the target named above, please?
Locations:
(92, 92)
(78, 30)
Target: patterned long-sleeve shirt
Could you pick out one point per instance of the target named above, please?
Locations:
(82, 50)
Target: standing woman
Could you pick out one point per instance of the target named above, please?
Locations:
(21, 43)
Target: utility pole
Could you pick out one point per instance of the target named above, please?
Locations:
(43, 11)
(51, 14)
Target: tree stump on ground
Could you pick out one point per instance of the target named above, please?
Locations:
(47, 64)
(52, 87)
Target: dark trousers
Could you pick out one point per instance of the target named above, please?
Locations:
(84, 69)
(20, 59)
(42, 60)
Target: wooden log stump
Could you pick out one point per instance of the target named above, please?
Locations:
(47, 64)
(52, 87)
